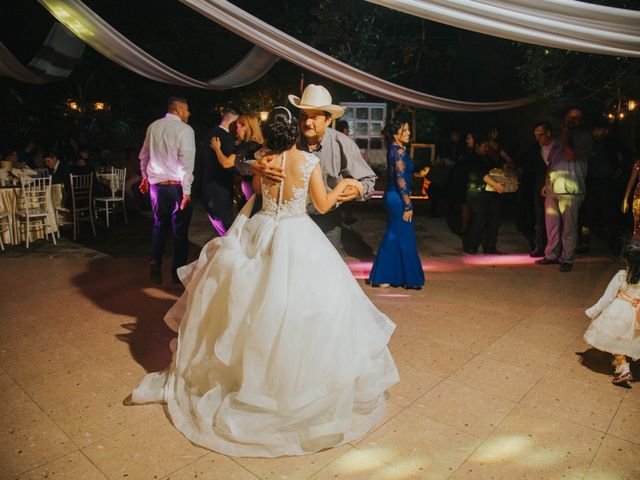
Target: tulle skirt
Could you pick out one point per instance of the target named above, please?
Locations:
(279, 352)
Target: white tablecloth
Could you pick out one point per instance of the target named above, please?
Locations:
(9, 202)
(110, 180)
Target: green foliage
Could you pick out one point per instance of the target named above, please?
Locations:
(597, 78)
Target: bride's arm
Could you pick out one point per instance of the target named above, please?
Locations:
(323, 200)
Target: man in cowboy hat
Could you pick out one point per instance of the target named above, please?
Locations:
(339, 155)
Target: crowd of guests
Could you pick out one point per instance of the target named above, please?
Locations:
(571, 182)
(67, 157)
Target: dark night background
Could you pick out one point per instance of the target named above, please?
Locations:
(422, 55)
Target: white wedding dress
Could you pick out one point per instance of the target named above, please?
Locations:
(279, 350)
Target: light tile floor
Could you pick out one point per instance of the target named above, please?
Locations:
(491, 386)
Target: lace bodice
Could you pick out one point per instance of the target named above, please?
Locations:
(296, 205)
(400, 168)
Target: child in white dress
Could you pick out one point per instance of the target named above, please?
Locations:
(616, 324)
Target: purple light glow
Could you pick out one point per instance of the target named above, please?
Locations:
(516, 259)
(246, 188)
(361, 270)
(217, 225)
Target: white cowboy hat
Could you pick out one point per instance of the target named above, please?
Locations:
(316, 97)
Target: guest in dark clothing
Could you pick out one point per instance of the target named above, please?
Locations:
(250, 139)
(27, 156)
(217, 177)
(484, 205)
(457, 184)
(599, 210)
(84, 166)
(447, 150)
(59, 171)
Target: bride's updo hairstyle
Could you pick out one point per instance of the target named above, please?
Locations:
(280, 130)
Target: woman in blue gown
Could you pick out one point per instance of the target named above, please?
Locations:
(397, 262)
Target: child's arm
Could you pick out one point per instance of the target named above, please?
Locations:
(609, 295)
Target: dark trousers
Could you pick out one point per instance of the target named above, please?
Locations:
(599, 209)
(331, 225)
(218, 203)
(484, 221)
(167, 216)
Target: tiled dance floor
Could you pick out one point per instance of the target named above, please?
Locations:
(496, 382)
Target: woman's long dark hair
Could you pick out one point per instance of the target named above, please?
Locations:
(392, 128)
(631, 256)
(280, 130)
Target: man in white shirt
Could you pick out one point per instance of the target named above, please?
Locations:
(166, 164)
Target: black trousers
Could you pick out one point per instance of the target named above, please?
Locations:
(484, 221)
(218, 203)
(331, 225)
(167, 217)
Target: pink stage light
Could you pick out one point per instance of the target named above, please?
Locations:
(501, 260)
(361, 270)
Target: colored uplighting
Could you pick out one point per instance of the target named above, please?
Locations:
(361, 269)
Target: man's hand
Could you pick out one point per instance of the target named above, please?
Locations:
(144, 186)
(351, 192)
(185, 201)
(264, 168)
(215, 143)
(500, 187)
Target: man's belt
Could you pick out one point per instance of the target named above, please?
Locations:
(169, 182)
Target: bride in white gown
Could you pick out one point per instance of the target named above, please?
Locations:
(279, 351)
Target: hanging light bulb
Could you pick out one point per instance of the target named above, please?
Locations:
(621, 115)
(632, 105)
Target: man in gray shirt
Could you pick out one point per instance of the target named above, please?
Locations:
(565, 188)
(339, 155)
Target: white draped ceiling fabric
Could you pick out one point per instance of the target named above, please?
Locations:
(94, 31)
(54, 61)
(279, 43)
(566, 24)
(10, 66)
(58, 56)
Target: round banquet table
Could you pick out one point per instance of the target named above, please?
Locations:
(9, 197)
